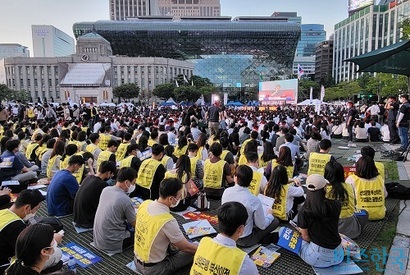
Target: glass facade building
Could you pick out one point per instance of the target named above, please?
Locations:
(260, 49)
(366, 30)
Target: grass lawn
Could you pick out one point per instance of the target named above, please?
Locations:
(390, 169)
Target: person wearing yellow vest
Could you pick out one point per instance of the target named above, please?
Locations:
(46, 156)
(284, 159)
(108, 154)
(217, 173)
(31, 148)
(105, 137)
(318, 161)
(182, 147)
(202, 151)
(115, 215)
(197, 167)
(259, 224)
(318, 224)
(221, 251)
(81, 143)
(70, 150)
(369, 188)
(259, 181)
(131, 159)
(12, 222)
(288, 196)
(150, 175)
(156, 229)
(93, 146)
(122, 147)
(350, 224)
(153, 137)
(369, 151)
(54, 162)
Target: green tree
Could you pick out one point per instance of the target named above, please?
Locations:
(304, 89)
(126, 91)
(22, 95)
(187, 93)
(405, 26)
(207, 91)
(199, 81)
(164, 91)
(343, 90)
(4, 92)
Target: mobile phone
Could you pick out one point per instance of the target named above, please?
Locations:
(292, 223)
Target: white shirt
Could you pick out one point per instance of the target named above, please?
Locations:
(384, 130)
(97, 127)
(256, 216)
(373, 110)
(248, 266)
(294, 150)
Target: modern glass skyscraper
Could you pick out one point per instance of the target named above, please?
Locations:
(13, 50)
(48, 41)
(366, 30)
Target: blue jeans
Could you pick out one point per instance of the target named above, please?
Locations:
(317, 256)
(404, 140)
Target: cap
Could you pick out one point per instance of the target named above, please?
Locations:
(316, 182)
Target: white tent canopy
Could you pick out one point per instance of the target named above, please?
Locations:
(311, 102)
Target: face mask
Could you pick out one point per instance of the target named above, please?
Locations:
(175, 205)
(28, 217)
(131, 189)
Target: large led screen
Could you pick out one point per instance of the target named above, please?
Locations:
(278, 92)
(359, 4)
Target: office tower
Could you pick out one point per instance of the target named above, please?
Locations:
(124, 9)
(13, 50)
(181, 8)
(48, 41)
(366, 30)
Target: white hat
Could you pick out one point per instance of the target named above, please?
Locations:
(316, 182)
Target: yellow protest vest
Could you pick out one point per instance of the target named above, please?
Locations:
(255, 183)
(164, 160)
(289, 169)
(242, 160)
(224, 154)
(200, 151)
(64, 163)
(84, 129)
(7, 217)
(31, 149)
(317, 163)
(30, 113)
(279, 206)
(262, 163)
(79, 174)
(213, 174)
(91, 148)
(151, 142)
(40, 151)
(213, 258)
(121, 150)
(380, 169)
(103, 156)
(51, 164)
(147, 172)
(194, 162)
(104, 139)
(179, 152)
(348, 205)
(243, 146)
(147, 227)
(370, 196)
(126, 162)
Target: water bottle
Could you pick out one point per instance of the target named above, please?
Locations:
(71, 266)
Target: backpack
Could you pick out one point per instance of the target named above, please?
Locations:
(396, 190)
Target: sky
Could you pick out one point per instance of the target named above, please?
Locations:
(17, 16)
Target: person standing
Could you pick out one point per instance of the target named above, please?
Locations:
(213, 118)
(403, 121)
(392, 106)
(351, 115)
